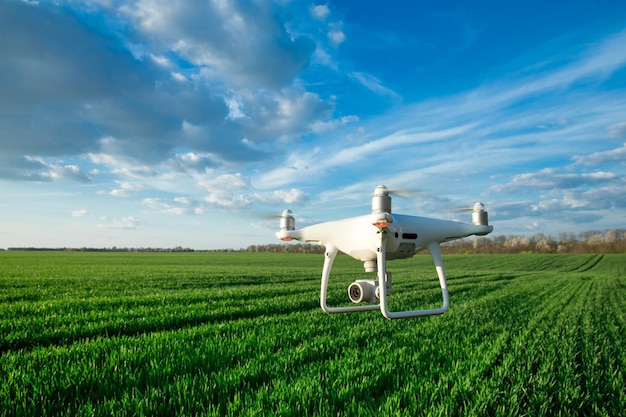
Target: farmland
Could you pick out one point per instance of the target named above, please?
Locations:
(242, 334)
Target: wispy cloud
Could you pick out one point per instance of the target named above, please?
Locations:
(375, 85)
(603, 157)
(617, 131)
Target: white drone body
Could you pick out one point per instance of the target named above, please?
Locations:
(377, 237)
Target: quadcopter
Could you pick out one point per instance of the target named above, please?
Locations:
(377, 237)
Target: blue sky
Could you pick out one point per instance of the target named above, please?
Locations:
(155, 123)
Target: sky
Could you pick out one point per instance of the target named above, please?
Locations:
(159, 123)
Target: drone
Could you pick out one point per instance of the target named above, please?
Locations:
(377, 237)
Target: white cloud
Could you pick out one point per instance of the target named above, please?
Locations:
(291, 196)
(125, 223)
(79, 213)
(53, 172)
(177, 206)
(617, 131)
(335, 34)
(229, 200)
(244, 42)
(192, 161)
(112, 154)
(603, 157)
(319, 11)
(285, 114)
(231, 191)
(161, 60)
(226, 182)
(549, 178)
(129, 222)
(560, 199)
(126, 189)
(67, 172)
(324, 126)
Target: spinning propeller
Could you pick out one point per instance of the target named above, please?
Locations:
(377, 237)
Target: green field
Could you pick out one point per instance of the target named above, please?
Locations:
(243, 334)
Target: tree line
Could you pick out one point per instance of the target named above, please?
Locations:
(593, 241)
(608, 241)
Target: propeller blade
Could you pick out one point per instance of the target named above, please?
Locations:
(269, 216)
(475, 207)
(462, 209)
(403, 192)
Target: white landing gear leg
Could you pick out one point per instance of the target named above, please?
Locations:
(331, 253)
(435, 253)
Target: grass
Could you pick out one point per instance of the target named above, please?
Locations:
(132, 334)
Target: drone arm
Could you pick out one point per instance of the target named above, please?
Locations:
(329, 258)
(435, 253)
